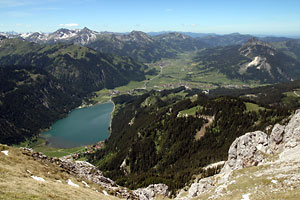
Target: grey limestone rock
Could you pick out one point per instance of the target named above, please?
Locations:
(275, 139)
(152, 191)
(198, 188)
(291, 136)
(247, 150)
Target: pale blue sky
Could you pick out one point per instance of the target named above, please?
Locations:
(275, 17)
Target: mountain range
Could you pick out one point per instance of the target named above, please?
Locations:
(141, 46)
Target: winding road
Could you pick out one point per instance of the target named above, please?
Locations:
(147, 81)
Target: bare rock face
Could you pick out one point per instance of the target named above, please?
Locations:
(276, 138)
(291, 137)
(251, 150)
(247, 150)
(200, 187)
(152, 191)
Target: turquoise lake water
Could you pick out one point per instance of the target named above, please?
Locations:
(83, 126)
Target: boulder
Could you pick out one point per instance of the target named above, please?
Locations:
(202, 186)
(152, 191)
(291, 137)
(275, 139)
(247, 150)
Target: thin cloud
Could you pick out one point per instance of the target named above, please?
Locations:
(18, 14)
(169, 10)
(69, 25)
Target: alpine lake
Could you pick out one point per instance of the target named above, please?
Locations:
(83, 126)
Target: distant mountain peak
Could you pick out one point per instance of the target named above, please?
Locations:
(175, 35)
(2, 37)
(87, 30)
(179, 35)
(265, 59)
(237, 33)
(254, 47)
(255, 41)
(62, 30)
(139, 35)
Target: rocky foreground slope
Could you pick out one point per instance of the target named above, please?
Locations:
(25, 174)
(259, 166)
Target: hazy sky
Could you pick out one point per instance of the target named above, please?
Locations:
(280, 17)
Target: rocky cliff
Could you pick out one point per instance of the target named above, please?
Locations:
(258, 166)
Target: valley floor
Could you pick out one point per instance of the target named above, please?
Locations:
(172, 73)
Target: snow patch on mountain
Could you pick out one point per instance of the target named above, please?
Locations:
(77, 36)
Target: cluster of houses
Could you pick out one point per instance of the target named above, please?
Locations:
(89, 150)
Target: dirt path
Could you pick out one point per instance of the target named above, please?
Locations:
(201, 133)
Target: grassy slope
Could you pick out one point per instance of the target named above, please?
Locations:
(16, 182)
(253, 107)
(189, 112)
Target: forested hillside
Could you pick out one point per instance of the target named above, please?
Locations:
(159, 138)
(31, 100)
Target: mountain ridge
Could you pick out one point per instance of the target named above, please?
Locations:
(150, 47)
